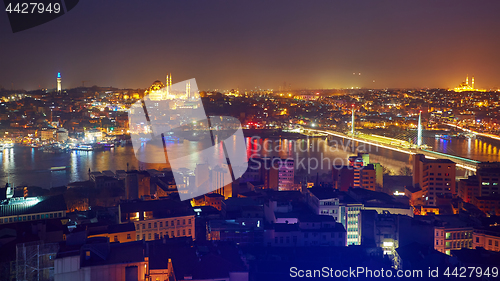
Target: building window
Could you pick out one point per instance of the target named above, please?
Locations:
(128, 236)
(172, 223)
(149, 225)
(155, 225)
(178, 222)
(116, 238)
(143, 226)
(149, 236)
(183, 232)
(138, 238)
(161, 224)
(178, 233)
(172, 234)
(183, 221)
(189, 231)
(144, 237)
(189, 221)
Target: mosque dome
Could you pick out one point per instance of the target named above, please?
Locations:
(157, 85)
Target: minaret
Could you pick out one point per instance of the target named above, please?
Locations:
(352, 121)
(467, 80)
(473, 82)
(419, 130)
(59, 87)
(169, 84)
(188, 90)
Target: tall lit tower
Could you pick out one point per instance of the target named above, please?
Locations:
(419, 129)
(352, 121)
(59, 87)
(168, 84)
(188, 90)
(473, 82)
(467, 80)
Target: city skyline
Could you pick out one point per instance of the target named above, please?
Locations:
(249, 140)
(263, 45)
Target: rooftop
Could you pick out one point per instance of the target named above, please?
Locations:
(160, 208)
(32, 205)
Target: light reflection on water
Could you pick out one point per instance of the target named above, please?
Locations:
(27, 166)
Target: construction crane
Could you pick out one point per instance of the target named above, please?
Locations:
(83, 83)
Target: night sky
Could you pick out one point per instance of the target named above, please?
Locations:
(259, 43)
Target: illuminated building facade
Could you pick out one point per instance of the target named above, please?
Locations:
(435, 178)
(452, 238)
(488, 238)
(160, 92)
(156, 91)
(465, 87)
(156, 219)
(286, 174)
(154, 229)
(342, 207)
(121, 233)
(59, 82)
(364, 173)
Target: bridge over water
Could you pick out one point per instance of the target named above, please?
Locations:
(395, 145)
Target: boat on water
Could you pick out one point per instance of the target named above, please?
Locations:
(108, 145)
(443, 137)
(7, 144)
(60, 168)
(83, 147)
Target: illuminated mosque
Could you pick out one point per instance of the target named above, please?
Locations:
(465, 87)
(159, 91)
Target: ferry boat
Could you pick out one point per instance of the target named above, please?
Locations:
(61, 168)
(7, 144)
(84, 147)
(443, 137)
(108, 145)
